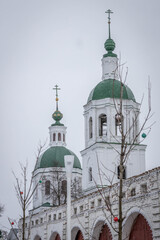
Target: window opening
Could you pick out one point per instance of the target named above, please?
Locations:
(59, 137)
(47, 187)
(118, 124)
(63, 137)
(102, 125)
(54, 137)
(90, 128)
(133, 192)
(90, 174)
(144, 188)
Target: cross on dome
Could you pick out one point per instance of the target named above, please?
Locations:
(56, 88)
(109, 20)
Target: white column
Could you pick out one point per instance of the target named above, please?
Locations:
(69, 160)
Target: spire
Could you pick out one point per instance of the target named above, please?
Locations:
(56, 88)
(109, 44)
(109, 21)
(57, 115)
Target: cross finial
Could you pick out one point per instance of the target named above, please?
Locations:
(109, 20)
(56, 88)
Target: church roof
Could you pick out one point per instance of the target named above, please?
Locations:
(110, 88)
(54, 157)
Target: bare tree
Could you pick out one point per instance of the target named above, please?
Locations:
(127, 144)
(24, 191)
(57, 187)
(1, 209)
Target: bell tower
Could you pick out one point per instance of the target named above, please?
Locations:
(103, 123)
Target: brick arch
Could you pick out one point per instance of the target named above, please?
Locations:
(100, 229)
(105, 233)
(79, 236)
(37, 237)
(77, 233)
(140, 229)
(55, 236)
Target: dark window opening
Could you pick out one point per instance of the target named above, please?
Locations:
(54, 137)
(59, 137)
(102, 125)
(63, 137)
(90, 128)
(47, 187)
(90, 174)
(118, 124)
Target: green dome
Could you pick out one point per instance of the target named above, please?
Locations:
(54, 157)
(110, 88)
(57, 116)
(109, 45)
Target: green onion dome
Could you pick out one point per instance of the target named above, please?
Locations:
(54, 157)
(110, 88)
(109, 45)
(57, 116)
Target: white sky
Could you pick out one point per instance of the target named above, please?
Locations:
(48, 42)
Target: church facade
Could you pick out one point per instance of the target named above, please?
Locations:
(95, 184)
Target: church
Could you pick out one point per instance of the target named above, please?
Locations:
(111, 107)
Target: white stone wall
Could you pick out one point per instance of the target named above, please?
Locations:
(89, 215)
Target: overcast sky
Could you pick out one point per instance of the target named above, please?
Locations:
(49, 42)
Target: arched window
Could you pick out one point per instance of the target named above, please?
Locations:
(118, 124)
(90, 128)
(102, 125)
(64, 186)
(133, 127)
(59, 137)
(54, 137)
(90, 174)
(63, 137)
(47, 187)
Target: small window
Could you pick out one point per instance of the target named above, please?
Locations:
(63, 137)
(133, 192)
(90, 128)
(118, 124)
(41, 221)
(36, 221)
(75, 210)
(144, 188)
(102, 125)
(107, 200)
(59, 137)
(32, 223)
(92, 204)
(64, 187)
(26, 225)
(54, 137)
(90, 174)
(59, 216)
(54, 216)
(47, 187)
(99, 202)
(118, 172)
(81, 208)
(49, 218)
(123, 194)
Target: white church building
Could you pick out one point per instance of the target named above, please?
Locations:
(95, 183)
